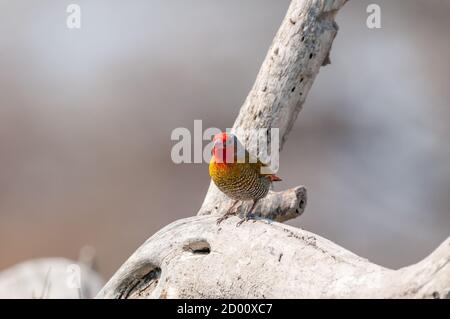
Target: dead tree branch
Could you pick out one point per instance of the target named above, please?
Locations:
(195, 258)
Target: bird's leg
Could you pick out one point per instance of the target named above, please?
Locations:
(249, 214)
(229, 213)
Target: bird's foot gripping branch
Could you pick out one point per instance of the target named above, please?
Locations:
(277, 206)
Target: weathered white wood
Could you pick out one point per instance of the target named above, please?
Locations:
(279, 206)
(300, 47)
(195, 258)
(49, 278)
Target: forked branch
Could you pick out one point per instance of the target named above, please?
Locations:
(195, 258)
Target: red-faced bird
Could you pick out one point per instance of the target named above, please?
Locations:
(237, 174)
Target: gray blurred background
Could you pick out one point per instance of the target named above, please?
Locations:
(86, 117)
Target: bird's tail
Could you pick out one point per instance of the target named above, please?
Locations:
(274, 178)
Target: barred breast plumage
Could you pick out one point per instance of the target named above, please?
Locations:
(240, 181)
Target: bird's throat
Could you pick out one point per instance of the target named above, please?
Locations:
(224, 156)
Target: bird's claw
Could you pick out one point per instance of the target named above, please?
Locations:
(224, 217)
(220, 220)
(245, 219)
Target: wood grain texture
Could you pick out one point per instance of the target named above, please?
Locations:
(195, 258)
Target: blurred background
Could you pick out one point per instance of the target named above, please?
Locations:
(86, 117)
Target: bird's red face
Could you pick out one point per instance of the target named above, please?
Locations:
(224, 148)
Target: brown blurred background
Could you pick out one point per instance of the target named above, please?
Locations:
(86, 117)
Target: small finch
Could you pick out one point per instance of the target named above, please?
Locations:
(240, 180)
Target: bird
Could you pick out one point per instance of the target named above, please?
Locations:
(239, 178)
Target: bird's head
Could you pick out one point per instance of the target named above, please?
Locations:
(224, 148)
